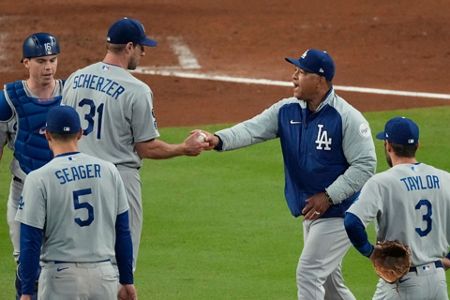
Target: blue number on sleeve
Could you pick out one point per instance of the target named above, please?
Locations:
(89, 117)
(83, 205)
(426, 217)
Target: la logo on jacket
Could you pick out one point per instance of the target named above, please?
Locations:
(322, 139)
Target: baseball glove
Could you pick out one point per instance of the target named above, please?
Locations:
(391, 260)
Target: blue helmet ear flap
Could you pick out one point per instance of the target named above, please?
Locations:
(40, 44)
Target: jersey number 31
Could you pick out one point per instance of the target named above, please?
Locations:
(89, 117)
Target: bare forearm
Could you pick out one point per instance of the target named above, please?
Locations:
(193, 145)
(157, 149)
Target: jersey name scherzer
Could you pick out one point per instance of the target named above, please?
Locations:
(116, 111)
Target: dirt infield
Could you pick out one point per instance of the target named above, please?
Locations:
(380, 44)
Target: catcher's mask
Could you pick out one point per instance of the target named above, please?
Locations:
(40, 44)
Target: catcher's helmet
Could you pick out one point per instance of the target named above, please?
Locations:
(40, 44)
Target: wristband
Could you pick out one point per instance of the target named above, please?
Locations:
(218, 147)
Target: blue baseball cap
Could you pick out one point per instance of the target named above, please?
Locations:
(63, 120)
(129, 30)
(400, 130)
(315, 61)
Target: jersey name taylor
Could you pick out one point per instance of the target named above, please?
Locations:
(426, 182)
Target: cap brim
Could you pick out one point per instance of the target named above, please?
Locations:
(381, 135)
(298, 64)
(149, 43)
(292, 61)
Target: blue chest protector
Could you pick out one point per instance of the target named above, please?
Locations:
(31, 147)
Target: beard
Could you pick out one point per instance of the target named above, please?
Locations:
(388, 158)
(132, 64)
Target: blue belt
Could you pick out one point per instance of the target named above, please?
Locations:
(437, 264)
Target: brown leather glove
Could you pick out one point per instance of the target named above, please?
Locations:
(391, 260)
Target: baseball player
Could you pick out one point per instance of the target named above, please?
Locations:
(411, 204)
(23, 106)
(76, 208)
(117, 115)
(328, 155)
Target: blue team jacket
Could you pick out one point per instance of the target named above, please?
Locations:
(330, 149)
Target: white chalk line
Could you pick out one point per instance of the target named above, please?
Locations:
(185, 56)
(203, 76)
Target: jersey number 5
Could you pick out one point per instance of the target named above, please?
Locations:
(426, 217)
(83, 205)
(90, 116)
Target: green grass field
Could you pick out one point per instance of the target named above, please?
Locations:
(217, 226)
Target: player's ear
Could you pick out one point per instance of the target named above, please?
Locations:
(80, 134)
(387, 146)
(129, 47)
(48, 136)
(322, 83)
(26, 62)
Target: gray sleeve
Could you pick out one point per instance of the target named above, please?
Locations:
(369, 203)
(258, 129)
(120, 192)
(32, 207)
(359, 151)
(142, 117)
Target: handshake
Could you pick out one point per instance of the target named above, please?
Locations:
(198, 141)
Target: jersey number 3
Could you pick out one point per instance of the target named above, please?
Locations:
(89, 117)
(426, 217)
(83, 205)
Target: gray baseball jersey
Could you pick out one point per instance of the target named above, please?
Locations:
(411, 203)
(70, 198)
(116, 111)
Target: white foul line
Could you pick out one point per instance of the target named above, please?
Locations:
(186, 58)
(191, 75)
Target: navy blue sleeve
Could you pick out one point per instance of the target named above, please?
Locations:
(124, 249)
(357, 234)
(6, 112)
(448, 255)
(30, 249)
